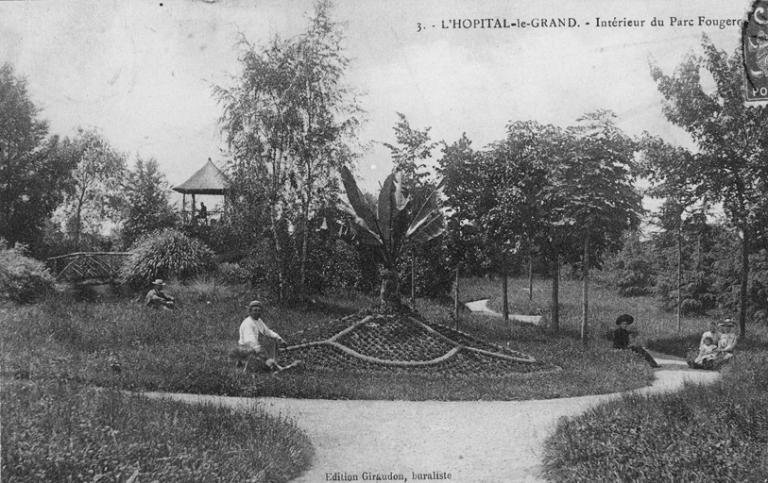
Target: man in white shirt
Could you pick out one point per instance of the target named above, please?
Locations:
(258, 339)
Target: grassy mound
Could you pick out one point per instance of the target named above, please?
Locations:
(57, 431)
(703, 433)
(403, 344)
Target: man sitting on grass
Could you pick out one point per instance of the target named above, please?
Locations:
(156, 298)
(257, 340)
(622, 335)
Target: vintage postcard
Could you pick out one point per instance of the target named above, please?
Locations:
(389, 238)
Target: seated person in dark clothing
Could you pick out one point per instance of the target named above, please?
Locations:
(622, 335)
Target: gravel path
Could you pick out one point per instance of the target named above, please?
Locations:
(482, 307)
(493, 441)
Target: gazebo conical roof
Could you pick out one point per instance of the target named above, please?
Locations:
(208, 180)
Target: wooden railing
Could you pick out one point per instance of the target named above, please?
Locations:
(87, 267)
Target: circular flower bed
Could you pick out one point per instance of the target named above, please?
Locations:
(404, 344)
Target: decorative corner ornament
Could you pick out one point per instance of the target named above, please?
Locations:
(754, 37)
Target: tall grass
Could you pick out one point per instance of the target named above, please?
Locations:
(57, 431)
(604, 306)
(702, 433)
(186, 350)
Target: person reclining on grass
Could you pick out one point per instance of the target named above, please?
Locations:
(725, 339)
(622, 335)
(256, 339)
(156, 298)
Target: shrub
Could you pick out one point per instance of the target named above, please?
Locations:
(22, 279)
(232, 273)
(166, 254)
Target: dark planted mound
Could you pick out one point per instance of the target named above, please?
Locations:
(401, 344)
(395, 340)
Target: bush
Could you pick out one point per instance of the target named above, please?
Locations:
(165, 254)
(232, 273)
(22, 279)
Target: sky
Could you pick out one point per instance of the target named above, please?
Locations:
(142, 72)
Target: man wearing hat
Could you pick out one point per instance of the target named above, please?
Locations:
(156, 298)
(258, 339)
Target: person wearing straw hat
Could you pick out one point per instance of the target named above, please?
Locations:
(726, 341)
(156, 298)
(724, 338)
(256, 339)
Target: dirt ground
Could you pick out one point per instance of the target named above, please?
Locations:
(475, 441)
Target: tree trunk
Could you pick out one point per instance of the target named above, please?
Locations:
(304, 250)
(389, 297)
(744, 282)
(585, 291)
(504, 289)
(679, 272)
(530, 275)
(456, 298)
(413, 280)
(555, 309)
(280, 256)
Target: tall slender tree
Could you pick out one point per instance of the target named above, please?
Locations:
(602, 203)
(286, 122)
(730, 138)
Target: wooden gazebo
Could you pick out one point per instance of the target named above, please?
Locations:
(208, 180)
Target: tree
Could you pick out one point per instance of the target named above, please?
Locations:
(602, 203)
(33, 171)
(286, 121)
(393, 227)
(95, 194)
(461, 170)
(414, 147)
(524, 198)
(672, 176)
(730, 138)
(146, 195)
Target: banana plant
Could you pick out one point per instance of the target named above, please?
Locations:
(393, 226)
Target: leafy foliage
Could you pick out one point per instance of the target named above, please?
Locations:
(34, 172)
(631, 270)
(22, 279)
(146, 195)
(730, 166)
(95, 194)
(286, 122)
(165, 254)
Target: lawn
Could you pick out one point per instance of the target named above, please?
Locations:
(605, 305)
(56, 430)
(702, 433)
(186, 351)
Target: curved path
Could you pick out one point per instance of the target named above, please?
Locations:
(474, 441)
(481, 306)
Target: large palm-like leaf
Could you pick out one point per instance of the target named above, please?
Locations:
(395, 226)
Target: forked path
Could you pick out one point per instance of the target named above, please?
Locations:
(474, 441)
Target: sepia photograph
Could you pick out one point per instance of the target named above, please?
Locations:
(383, 241)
